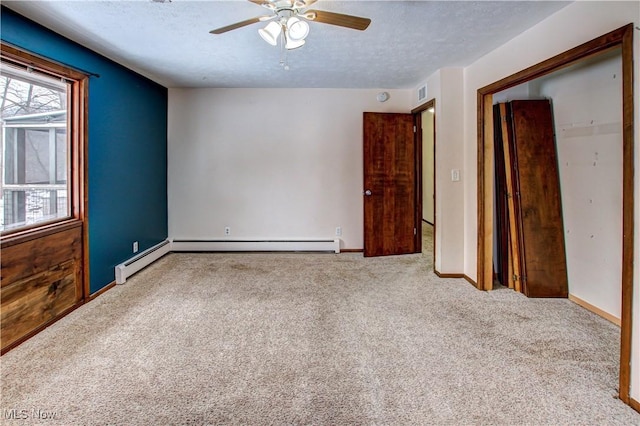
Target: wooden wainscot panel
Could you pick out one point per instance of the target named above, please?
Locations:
(41, 281)
(31, 302)
(35, 256)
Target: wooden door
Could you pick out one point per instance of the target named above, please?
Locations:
(539, 207)
(503, 260)
(390, 191)
(504, 138)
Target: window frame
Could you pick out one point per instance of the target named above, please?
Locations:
(77, 135)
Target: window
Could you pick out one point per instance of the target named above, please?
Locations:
(40, 178)
(34, 148)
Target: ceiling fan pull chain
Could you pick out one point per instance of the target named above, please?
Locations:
(282, 49)
(283, 52)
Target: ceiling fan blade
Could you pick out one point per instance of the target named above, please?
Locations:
(339, 19)
(242, 24)
(269, 4)
(303, 4)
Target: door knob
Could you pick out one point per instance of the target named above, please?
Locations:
(367, 192)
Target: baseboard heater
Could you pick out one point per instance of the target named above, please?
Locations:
(256, 245)
(140, 261)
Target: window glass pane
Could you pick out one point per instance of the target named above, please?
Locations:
(35, 152)
(61, 156)
(37, 156)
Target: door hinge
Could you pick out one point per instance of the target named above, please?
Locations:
(415, 129)
(415, 231)
(515, 278)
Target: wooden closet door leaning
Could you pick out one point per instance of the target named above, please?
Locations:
(538, 233)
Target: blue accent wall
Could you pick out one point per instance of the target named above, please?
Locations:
(127, 148)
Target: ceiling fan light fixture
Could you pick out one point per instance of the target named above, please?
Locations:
(270, 33)
(297, 29)
(293, 44)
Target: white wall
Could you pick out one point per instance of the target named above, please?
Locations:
(588, 125)
(571, 26)
(521, 91)
(269, 163)
(446, 87)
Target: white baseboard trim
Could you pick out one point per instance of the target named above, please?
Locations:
(257, 245)
(140, 261)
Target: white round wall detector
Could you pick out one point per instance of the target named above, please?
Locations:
(382, 96)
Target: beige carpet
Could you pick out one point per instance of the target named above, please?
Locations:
(316, 339)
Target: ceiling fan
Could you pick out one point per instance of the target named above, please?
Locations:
(289, 21)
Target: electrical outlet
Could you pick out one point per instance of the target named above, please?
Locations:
(135, 246)
(338, 231)
(227, 230)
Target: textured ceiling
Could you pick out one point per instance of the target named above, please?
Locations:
(406, 41)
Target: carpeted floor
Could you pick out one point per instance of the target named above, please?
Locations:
(295, 338)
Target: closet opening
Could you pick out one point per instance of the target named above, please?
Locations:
(621, 39)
